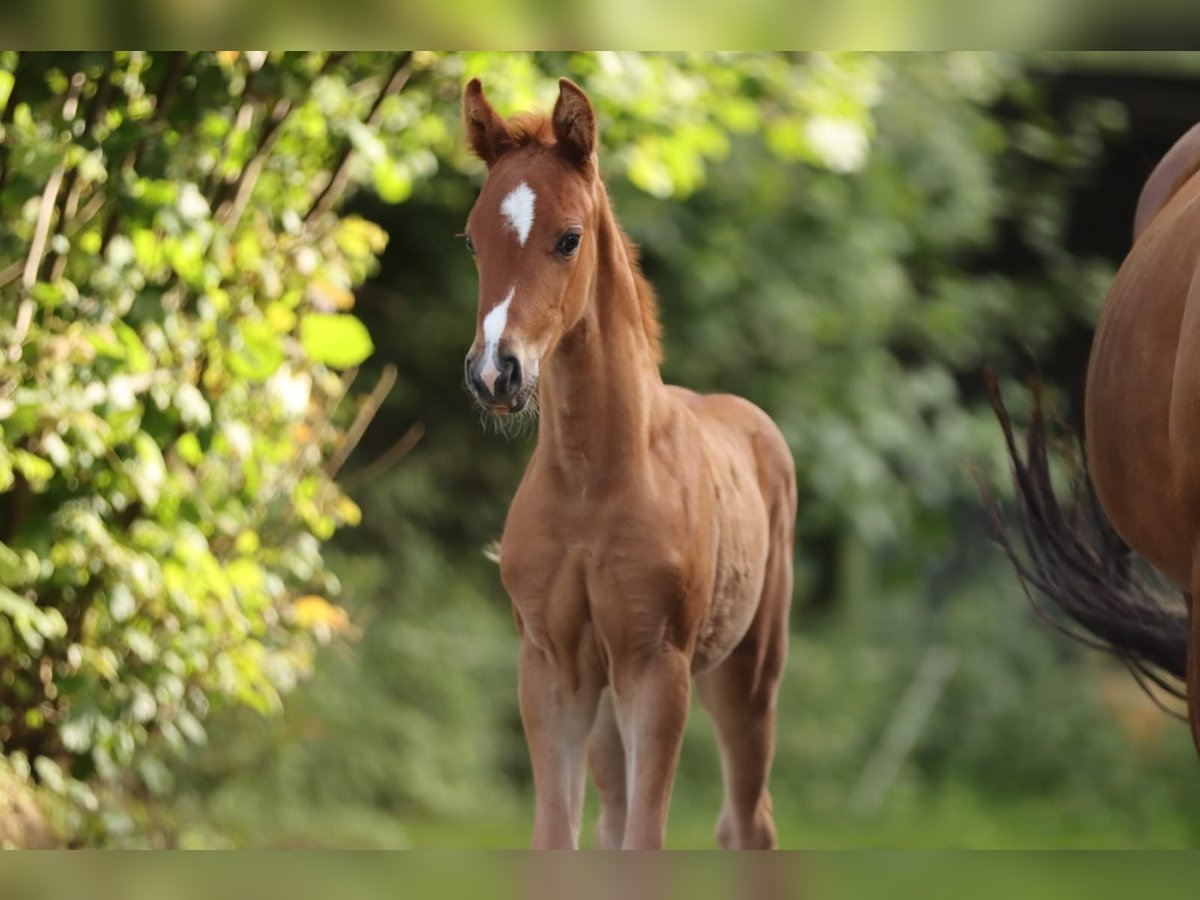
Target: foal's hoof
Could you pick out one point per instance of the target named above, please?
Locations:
(756, 835)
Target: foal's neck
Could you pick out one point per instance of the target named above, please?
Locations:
(601, 384)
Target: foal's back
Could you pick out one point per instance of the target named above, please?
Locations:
(753, 476)
(731, 426)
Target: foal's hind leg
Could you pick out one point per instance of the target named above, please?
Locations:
(606, 756)
(739, 695)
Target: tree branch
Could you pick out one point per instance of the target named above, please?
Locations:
(366, 413)
(41, 230)
(390, 457)
(162, 103)
(37, 248)
(336, 185)
(69, 200)
(231, 211)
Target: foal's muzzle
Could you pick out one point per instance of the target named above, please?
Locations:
(497, 381)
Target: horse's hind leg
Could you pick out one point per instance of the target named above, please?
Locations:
(606, 756)
(739, 695)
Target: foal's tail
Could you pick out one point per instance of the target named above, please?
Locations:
(1075, 559)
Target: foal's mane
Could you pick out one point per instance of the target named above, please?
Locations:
(534, 129)
(531, 129)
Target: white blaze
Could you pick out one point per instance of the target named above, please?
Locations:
(517, 207)
(494, 324)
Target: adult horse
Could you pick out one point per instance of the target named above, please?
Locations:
(650, 540)
(1142, 416)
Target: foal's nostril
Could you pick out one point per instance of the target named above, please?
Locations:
(471, 373)
(508, 382)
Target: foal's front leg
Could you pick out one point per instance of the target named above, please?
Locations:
(606, 757)
(652, 697)
(557, 716)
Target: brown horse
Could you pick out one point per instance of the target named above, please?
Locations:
(650, 540)
(1142, 414)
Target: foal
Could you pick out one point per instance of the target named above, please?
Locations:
(650, 540)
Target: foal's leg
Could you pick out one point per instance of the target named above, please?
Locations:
(651, 703)
(744, 716)
(557, 717)
(740, 697)
(606, 756)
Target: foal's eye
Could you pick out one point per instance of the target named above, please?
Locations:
(470, 244)
(567, 244)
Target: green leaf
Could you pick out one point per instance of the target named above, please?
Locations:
(260, 352)
(139, 360)
(189, 450)
(393, 182)
(141, 645)
(359, 238)
(76, 733)
(147, 470)
(50, 774)
(36, 470)
(6, 85)
(33, 624)
(337, 340)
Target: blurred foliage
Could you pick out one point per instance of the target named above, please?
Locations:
(174, 290)
(846, 239)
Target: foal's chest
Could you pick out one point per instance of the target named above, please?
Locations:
(673, 561)
(608, 562)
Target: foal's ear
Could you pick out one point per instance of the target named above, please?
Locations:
(487, 132)
(574, 122)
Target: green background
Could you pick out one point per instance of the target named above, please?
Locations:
(229, 351)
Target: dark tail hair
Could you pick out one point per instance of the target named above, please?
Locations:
(1075, 559)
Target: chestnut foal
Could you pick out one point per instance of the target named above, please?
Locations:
(650, 540)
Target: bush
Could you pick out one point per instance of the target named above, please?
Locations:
(175, 289)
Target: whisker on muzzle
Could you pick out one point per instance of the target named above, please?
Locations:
(510, 426)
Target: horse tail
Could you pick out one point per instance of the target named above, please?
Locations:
(1074, 558)
(1172, 172)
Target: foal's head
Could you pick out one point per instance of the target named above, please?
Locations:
(531, 232)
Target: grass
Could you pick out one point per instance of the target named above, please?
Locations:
(946, 817)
